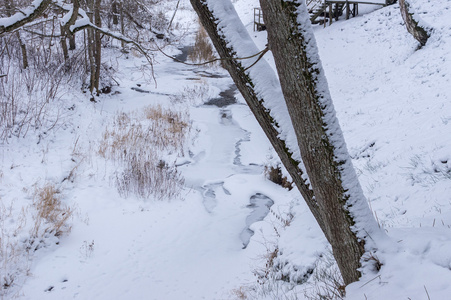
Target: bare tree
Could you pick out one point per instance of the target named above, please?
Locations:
(331, 188)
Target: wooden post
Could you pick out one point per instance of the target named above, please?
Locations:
(330, 13)
(347, 10)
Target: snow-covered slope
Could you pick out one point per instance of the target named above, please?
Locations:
(393, 104)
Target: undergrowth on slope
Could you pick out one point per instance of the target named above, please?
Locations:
(138, 143)
(28, 228)
(51, 215)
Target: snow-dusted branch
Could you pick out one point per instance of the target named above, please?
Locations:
(37, 9)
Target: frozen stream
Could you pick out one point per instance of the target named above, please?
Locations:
(228, 134)
(201, 247)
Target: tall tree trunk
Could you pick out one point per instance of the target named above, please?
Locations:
(98, 46)
(319, 136)
(420, 33)
(122, 24)
(337, 201)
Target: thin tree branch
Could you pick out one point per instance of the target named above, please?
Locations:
(259, 54)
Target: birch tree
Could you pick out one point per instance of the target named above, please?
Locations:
(299, 119)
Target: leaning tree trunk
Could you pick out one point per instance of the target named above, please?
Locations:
(340, 203)
(419, 32)
(246, 84)
(319, 136)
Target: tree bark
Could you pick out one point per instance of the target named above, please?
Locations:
(64, 45)
(337, 201)
(98, 46)
(319, 137)
(115, 11)
(412, 21)
(23, 49)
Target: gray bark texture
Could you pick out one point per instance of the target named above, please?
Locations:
(98, 45)
(328, 199)
(299, 79)
(420, 33)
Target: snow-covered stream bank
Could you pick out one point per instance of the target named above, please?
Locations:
(393, 103)
(181, 249)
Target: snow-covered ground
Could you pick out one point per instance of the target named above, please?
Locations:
(393, 104)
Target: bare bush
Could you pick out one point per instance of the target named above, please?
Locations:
(274, 174)
(137, 142)
(51, 214)
(28, 97)
(326, 282)
(145, 178)
(11, 251)
(194, 94)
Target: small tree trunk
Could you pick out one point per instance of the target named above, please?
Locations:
(173, 16)
(72, 44)
(23, 49)
(64, 43)
(91, 54)
(122, 24)
(98, 46)
(115, 10)
(73, 18)
(412, 21)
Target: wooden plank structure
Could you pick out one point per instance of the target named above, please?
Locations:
(322, 11)
(333, 9)
(259, 24)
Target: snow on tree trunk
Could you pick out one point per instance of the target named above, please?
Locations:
(258, 85)
(343, 207)
(414, 23)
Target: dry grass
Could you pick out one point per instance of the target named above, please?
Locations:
(202, 50)
(137, 141)
(326, 283)
(19, 238)
(275, 175)
(194, 94)
(51, 214)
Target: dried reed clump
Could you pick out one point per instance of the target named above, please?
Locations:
(137, 141)
(275, 175)
(194, 94)
(202, 50)
(51, 214)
